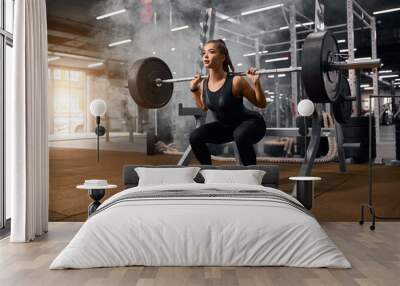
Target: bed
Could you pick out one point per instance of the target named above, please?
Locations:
(198, 224)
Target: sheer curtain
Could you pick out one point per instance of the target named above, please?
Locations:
(27, 150)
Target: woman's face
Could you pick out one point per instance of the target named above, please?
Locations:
(212, 58)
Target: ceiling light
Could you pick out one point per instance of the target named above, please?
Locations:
(253, 54)
(111, 14)
(369, 88)
(239, 64)
(172, 49)
(362, 59)
(386, 11)
(341, 41)
(120, 43)
(154, 53)
(95, 65)
(276, 60)
(52, 59)
(281, 75)
(397, 79)
(385, 71)
(364, 85)
(179, 28)
(261, 9)
(346, 50)
(271, 76)
(297, 25)
(226, 17)
(389, 76)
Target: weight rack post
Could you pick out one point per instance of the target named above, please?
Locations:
(293, 55)
(358, 93)
(311, 153)
(339, 142)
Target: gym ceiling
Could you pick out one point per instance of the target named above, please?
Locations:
(73, 27)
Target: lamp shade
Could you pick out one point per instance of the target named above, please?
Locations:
(98, 107)
(305, 107)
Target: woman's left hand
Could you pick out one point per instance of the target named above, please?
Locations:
(251, 73)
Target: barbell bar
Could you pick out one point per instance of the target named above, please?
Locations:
(361, 64)
(150, 80)
(159, 81)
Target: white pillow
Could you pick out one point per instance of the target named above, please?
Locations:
(164, 176)
(248, 177)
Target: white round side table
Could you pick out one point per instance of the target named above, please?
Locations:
(305, 189)
(96, 193)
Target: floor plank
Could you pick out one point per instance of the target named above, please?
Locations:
(375, 257)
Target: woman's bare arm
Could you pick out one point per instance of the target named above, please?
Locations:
(254, 95)
(197, 95)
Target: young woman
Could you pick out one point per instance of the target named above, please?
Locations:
(223, 94)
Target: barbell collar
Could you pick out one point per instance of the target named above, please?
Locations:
(242, 73)
(350, 98)
(362, 64)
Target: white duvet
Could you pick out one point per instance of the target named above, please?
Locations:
(200, 231)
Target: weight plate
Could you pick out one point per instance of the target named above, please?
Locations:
(342, 108)
(320, 82)
(142, 85)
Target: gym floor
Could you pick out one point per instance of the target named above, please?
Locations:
(337, 197)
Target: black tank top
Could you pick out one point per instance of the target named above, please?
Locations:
(226, 107)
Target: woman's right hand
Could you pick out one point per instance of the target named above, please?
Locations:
(196, 81)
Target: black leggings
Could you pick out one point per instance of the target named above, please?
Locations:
(245, 134)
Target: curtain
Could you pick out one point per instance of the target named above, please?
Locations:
(27, 151)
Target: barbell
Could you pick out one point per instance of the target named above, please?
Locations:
(150, 81)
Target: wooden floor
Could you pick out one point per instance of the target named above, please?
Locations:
(339, 195)
(374, 255)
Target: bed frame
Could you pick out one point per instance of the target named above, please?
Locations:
(271, 178)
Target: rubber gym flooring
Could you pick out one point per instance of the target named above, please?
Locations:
(337, 197)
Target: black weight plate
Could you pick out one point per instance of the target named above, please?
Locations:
(342, 108)
(142, 85)
(320, 83)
